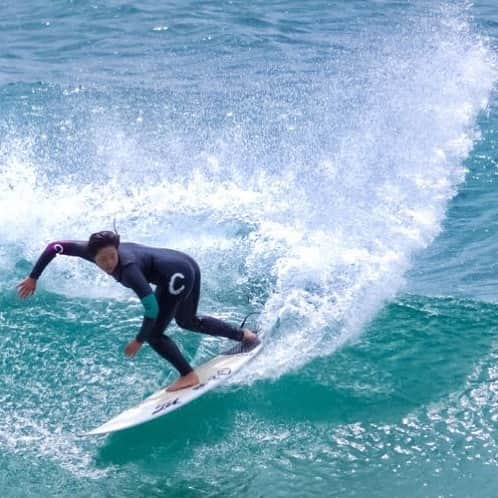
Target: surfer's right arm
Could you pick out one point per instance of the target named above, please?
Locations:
(67, 247)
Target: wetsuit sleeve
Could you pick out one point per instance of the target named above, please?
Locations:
(133, 278)
(66, 247)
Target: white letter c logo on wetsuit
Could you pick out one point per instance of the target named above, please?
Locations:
(172, 289)
(59, 249)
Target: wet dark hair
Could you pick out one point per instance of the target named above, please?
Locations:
(99, 240)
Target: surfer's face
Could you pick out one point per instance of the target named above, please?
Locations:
(107, 259)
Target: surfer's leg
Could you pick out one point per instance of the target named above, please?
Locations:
(186, 316)
(161, 343)
(166, 347)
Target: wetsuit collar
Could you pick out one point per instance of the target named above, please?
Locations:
(125, 258)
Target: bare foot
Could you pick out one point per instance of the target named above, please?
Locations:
(249, 336)
(249, 341)
(189, 380)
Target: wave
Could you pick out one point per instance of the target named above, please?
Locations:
(308, 198)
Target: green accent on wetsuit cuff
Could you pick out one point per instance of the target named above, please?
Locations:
(151, 306)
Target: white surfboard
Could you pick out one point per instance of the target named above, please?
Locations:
(211, 374)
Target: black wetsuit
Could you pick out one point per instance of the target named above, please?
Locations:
(178, 280)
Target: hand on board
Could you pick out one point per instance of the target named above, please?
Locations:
(132, 348)
(26, 288)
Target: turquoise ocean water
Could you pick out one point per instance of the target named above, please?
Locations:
(330, 164)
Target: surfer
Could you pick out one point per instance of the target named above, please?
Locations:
(178, 280)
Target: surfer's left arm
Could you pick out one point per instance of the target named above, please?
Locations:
(135, 279)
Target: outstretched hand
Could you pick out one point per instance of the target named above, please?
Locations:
(26, 288)
(132, 348)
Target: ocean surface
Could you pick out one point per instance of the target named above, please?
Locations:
(333, 166)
